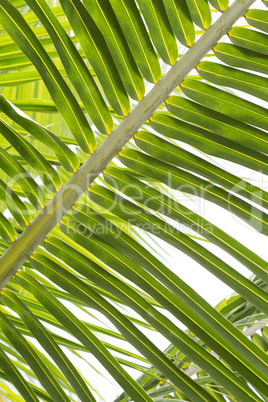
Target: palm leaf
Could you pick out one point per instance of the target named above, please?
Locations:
(83, 273)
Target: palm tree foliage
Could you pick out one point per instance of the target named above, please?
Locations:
(71, 72)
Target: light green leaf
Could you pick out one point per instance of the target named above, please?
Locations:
(249, 39)
(164, 204)
(140, 162)
(47, 173)
(228, 104)
(65, 156)
(75, 67)
(6, 230)
(243, 137)
(97, 53)
(70, 283)
(72, 323)
(138, 40)
(200, 12)
(122, 291)
(48, 343)
(240, 57)
(17, 208)
(37, 365)
(160, 30)
(15, 377)
(180, 21)
(231, 77)
(258, 19)
(104, 17)
(220, 5)
(65, 101)
(16, 172)
(179, 287)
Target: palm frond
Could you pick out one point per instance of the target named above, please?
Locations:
(85, 286)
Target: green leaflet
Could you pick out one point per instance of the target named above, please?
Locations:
(137, 37)
(260, 341)
(65, 296)
(220, 5)
(160, 30)
(258, 19)
(81, 332)
(59, 339)
(32, 358)
(200, 12)
(75, 67)
(229, 105)
(104, 17)
(187, 182)
(12, 50)
(43, 316)
(265, 333)
(47, 362)
(62, 341)
(16, 378)
(18, 3)
(48, 343)
(164, 390)
(80, 290)
(14, 397)
(131, 270)
(141, 218)
(129, 246)
(22, 178)
(64, 100)
(6, 229)
(97, 53)
(21, 364)
(34, 158)
(31, 17)
(89, 256)
(184, 242)
(240, 57)
(80, 263)
(245, 139)
(231, 77)
(16, 207)
(15, 79)
(39, 105)
(249, 39)
(65, 156)
(16, 63)
(7, 44)
(179, 157)
(170, 400)
(180, 21)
